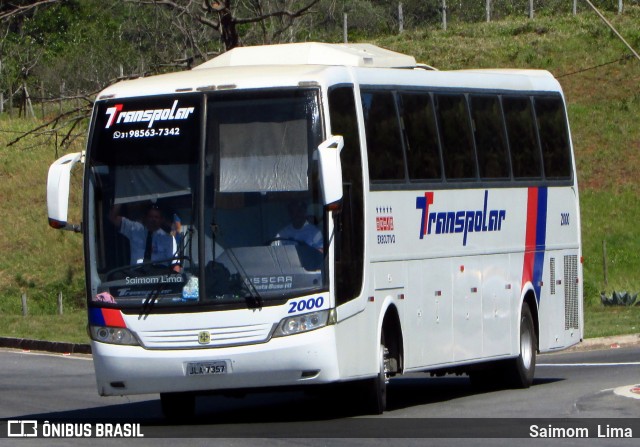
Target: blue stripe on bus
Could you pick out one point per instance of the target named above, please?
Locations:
(96, 318)
(541, 238)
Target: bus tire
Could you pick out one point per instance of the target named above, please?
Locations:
(178, 406)
(520, 370)
(376, 388)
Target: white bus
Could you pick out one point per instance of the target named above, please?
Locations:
(324, 213)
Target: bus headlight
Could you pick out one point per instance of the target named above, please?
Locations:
(305, 323)
(113, 335)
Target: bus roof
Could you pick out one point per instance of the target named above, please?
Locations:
(292, 65)
(312, 53)
(508, 71)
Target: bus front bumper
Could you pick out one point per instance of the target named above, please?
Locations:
(307, 358)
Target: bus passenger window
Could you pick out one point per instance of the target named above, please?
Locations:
(383, 136)
(554, 137)
(491, 141)
(525, 154)
(456, 137)
(423, 151)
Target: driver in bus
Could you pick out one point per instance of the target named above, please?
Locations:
(300, 230)
(148, 242)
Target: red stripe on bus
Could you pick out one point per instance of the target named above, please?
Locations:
(113, 318)
(530, 236)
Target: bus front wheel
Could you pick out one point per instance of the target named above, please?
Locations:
(376, 387)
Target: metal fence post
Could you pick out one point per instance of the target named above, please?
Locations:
(24, 305)
(604, 262)
(344, 28)
(10, 100)
(42, 98)
(444, 15)
(61, 96)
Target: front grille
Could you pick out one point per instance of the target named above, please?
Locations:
(220, 337)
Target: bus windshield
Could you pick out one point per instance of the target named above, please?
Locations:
(254, 236)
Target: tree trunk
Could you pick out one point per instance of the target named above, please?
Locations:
(228, 31)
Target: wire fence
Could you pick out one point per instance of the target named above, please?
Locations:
(404, 14)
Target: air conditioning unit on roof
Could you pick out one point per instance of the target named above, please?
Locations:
(312, 53)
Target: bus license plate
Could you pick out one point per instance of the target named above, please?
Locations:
(206, 368)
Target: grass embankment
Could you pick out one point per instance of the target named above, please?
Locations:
(35, 260)
(603, 105)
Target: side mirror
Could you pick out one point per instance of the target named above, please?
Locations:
(331, 169)
(58, 191)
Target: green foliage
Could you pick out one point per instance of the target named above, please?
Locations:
(69, 327)
(37, 261)
(82, 45)
(609, 217)
(603, 106)
(618, 299)
(604, 321)
(85, 44)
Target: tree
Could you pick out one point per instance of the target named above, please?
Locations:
(17, 9)
(227, 16)
(18, 54)
(87, 44)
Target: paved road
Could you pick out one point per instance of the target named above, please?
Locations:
(593, 384)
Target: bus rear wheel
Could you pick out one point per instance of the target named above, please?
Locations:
(520, 370)
(178, 406)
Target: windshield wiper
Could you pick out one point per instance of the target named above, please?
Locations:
(185, 243)
(253, 294)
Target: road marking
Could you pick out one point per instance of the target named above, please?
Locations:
(564, 365)
(632, 391)
(53, 354)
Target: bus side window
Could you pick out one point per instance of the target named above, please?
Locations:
(423, 149)
(456, 137)
(350, 237)
(490, 138)
(525, 154)
(554, 137)
(384, 141)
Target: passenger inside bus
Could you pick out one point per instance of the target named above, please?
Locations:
(299, 230)
(148, 242)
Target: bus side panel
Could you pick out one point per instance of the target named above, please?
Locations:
(357, 345)
(551, 305)
(428, 314)
(497, 297)
(483, 311)
(560, 299)
(467, 308)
